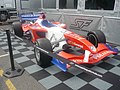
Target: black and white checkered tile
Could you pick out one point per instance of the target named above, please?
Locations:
(52, 78)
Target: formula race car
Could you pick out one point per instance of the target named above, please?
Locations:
(54, 37)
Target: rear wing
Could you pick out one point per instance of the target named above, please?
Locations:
(29, 16)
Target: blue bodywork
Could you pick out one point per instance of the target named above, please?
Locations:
(29, 17)
(59, 64)
(111, 48)
(46, 23)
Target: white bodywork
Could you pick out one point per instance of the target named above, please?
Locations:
(54, 34)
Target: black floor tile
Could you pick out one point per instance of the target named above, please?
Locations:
(61, 86)
(16, 45)
(27, 63)
(112, 78)
(119, 65)
(106, 58)
(23, 49)
(1, 40)
(89, 65)
(86, 77)
(105, 65)
(18, 55)
(20, 41)
(29, 44)
(4, 39)
(6, 50)
(13, 48)
(116, 57)
(2, 45)
(63, 75)
(114, 88)
(88, 87)
(40, 75)
(2, 35)
(32, 56)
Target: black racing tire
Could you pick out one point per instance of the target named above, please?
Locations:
(17, 27)
(42, 59)
(3, 17)
(95, 37)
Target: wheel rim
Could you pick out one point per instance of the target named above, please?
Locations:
(37, 53)
(92, 38)
(28, 35)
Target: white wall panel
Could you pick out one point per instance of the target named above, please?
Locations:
(111, 28)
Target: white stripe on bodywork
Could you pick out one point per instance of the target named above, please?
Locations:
(86, 57)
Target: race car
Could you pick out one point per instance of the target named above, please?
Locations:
(54, 37)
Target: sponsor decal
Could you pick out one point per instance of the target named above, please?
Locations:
(99, 55)
(93, 48)
(75, 44)
(79, 24)
(77, 60)
(76, 36)
(78, 45)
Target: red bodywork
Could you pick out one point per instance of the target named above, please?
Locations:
(33, 27)
(96, 54)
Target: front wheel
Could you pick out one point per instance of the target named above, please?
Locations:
(42, 59)
(95, 37)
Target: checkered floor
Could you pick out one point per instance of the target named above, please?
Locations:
(52, 78)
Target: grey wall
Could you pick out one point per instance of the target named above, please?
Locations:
(49, 4)
(111, 27)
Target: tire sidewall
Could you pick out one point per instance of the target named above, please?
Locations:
(17, 28)
(36, 52)
(93, 39)
(43, 60)
(98, 37)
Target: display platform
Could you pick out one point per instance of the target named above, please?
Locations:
(52, 78)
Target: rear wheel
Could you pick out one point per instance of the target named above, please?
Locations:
(95, 37)
(42, 59)
(17, 29)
